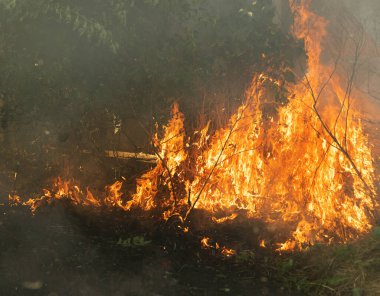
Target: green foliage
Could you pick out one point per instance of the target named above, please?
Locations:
(24, 11)
(172, 43)
(133, 242)
(376, 232)
(245, 256)
(351, 269)
(357, 292)
(64, 60)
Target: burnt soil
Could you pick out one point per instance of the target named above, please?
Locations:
(63, 250)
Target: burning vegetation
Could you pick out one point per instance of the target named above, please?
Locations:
(206, 147)
(306, 170)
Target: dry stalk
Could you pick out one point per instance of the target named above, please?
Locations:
(338, 144)
(217, 162)
(156, 152)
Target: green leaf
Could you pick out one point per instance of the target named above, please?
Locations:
(376, 232)
(335, 281)
(357, 292)
(134, 242)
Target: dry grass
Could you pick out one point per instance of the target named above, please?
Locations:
(353, 269)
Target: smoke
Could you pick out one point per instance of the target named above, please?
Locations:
(352, 25)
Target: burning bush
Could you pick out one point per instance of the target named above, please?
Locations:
(307, 168)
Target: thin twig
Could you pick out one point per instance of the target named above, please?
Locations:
(163, 162)
(334, 138)
(215, 164)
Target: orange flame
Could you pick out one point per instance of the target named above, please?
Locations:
(205, 243)
(14, 200)
(224, 219)
(64, 190)
(289, 169)
(308, 168)
(262, 244)
(227, 252)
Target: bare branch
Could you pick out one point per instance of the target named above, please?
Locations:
(217, 162)
(339, 145)
(156, 152)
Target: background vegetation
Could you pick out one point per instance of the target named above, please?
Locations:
(73, 70)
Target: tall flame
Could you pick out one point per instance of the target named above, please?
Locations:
(300, 168)
(309, 167)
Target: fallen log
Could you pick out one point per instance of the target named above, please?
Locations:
(139, 156)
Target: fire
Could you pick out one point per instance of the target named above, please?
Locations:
(309, 167)
(227, 252)
(114, 197)
(206, 244)
(64, 190)
(172, 155)
(262, 244)
(224, 219)
(14, 200)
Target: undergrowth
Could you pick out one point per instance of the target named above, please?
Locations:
(352, 269)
